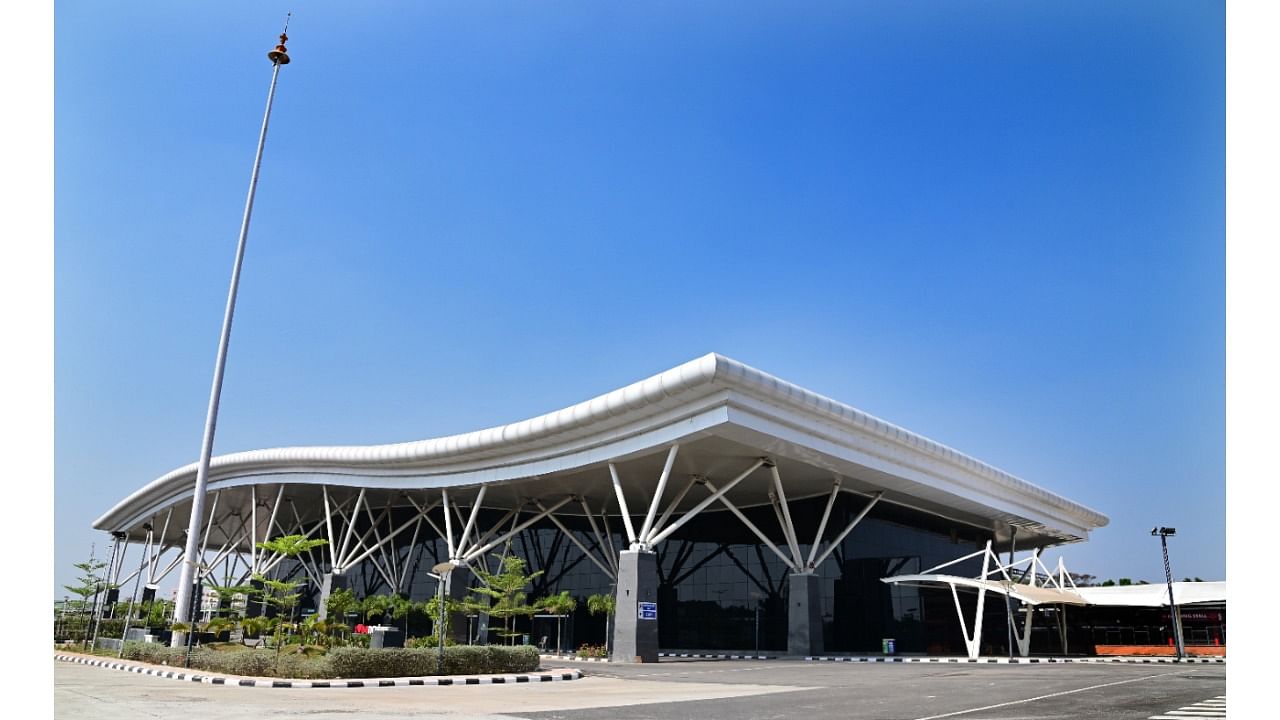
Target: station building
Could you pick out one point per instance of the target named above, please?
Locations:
(723, 507)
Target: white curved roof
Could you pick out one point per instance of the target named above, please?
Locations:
(714, 406)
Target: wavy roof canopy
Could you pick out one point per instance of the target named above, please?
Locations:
(722, 413)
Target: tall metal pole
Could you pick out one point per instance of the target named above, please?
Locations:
(278, 57)
(116, 537)
(1008, 603)
(443, 571)
(1173, 609)
(128, 617)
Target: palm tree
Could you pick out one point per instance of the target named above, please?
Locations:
(607, 604)
(559, 605)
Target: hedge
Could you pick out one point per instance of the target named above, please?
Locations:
(409, 662)
(344, 662)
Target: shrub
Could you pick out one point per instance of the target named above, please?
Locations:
(410, 662)
(430, 641)
(346, 662)
(78, 628)
(154, 653)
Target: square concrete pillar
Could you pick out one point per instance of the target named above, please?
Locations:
(328, 584)
(804, 615)
(457, 588)
(635, 625)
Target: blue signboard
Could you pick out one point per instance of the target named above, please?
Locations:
(648, 611)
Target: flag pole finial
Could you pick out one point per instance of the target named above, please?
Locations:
(280, 55)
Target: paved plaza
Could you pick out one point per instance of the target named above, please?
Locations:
(680, 688)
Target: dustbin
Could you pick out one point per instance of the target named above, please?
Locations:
(384, 636)
(886, 646)
(526, 639)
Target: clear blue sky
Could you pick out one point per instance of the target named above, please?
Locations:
(1000, 225)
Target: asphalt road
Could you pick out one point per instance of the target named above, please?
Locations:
(850, 691)
(677, 689)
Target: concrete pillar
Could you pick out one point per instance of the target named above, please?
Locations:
(457, 588)
(804, 615)
(330, 582)
(636, 639)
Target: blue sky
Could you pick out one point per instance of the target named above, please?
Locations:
(1000, 225)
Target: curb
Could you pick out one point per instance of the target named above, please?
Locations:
(718, 657)
(282, 683)
(574, 658)
(1017, 661)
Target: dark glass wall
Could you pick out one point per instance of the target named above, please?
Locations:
(722, 589)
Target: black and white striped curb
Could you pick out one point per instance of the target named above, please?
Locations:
(366, 682)
(716, 657)
(574, 658)
(1017, 661)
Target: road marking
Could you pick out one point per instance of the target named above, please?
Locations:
(1212, 708)
(1051, 695)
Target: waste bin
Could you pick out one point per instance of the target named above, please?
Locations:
(526, 639)
(385, 636)
(886, 646)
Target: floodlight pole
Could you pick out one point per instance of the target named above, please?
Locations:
(1174, 620)
(443, 571)
(1008, 602)
(186, 579)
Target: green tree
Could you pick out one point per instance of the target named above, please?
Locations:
(290, 546)
(431, 608)
(341, 602)
(398, 608)
(253, 627)
(559, 605)
(505, 592)
(375, 605)
(90, 584)
(282, 593)
(607, 604)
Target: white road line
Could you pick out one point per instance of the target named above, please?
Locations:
(1050, 695)
(1214, 708)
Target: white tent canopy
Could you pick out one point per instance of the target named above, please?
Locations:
(1155, 595)
(1040, 585)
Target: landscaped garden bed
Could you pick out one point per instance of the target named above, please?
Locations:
(311, 663)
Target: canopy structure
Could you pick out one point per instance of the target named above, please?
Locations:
(639, 465)
(1155, 594)
(1037, 585)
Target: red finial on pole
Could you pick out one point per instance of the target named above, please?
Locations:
(280, 55)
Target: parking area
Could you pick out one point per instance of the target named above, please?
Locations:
(689, 688)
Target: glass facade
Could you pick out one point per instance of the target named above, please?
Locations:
(722, 589)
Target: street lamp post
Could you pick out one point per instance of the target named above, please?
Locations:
(442, 570)
(1164, 533)
(186, 580)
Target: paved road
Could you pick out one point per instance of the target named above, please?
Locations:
(918, 691)
(675, 689)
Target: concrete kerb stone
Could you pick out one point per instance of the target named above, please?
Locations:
(188, 675)
(573, 658)
(1015, 661)
(714, 656)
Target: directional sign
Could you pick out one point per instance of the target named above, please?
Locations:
(648, 611)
